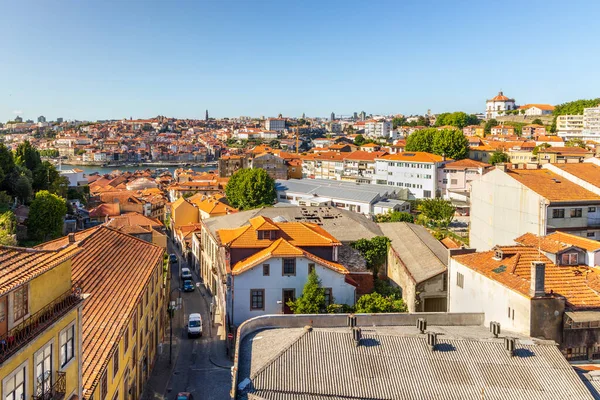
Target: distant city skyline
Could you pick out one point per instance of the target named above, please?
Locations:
(114, 60)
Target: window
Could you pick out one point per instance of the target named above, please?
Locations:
(576, 213)
(427, 194)
(116, 362)
(591, 234)
(20, 300)
(453, 181)
(266, 270)
(116, 396)
(67, 345)
(460, 280)
(570, 259)
(444, 181)
(591, 209)
(289, 266)
(104, 387)
(135, 322)
(558, 213)
(508, 312)
(13, 386)
(257, 299)
(126, 340)
(43, 369)
(311, 267)
(282, 196)
(328, 296)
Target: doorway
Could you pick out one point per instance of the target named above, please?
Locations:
(288, 295)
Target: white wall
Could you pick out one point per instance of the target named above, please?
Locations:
(502, 209)
(416, 177)
(343, 293)
(483, 295)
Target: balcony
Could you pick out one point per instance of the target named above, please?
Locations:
(56, 391)
(20, 335)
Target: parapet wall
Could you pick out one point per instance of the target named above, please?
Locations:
(341, 320)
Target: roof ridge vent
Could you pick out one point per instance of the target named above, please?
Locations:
(432, 340)
(495, 328)
(421, 324)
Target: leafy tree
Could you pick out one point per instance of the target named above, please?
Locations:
(20, 183)
(374, 251)
(49, 153)
(250, 188)
(398, 121)
(312, 300)
(359, 140)
(499, 157)
(46, 216)
(26, 155)
(440, 212)
(575, 107)
(8, 227)
(522, 111)
(47, 177)
(450, 143)
(147, 127)
(489, 124)
(421, 140)
(539, 147)
(395, 216)
(376, 303)
(459, 119)
(575, 142)
(422, 121)
(537, 121)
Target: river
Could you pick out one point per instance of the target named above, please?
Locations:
(90, 169)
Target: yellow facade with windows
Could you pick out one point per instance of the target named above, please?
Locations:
(40, 325)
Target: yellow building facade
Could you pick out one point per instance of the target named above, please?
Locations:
(40, 325)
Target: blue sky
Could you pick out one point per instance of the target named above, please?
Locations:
(141, 58)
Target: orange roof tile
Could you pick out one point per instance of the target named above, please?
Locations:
(282, 248)
(587, 172)
(566, 150)
(545, 107)
(514, 272)
(466, 163)
(558, 241)
(20, 265)
(552, 186)
(362, 155)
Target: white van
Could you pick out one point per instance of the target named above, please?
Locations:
(186, 274)
(194, 325)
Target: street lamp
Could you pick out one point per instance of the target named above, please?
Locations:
(173, 305)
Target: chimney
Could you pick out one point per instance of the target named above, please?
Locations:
(71, 238)
(510, 344)
(351, 321)
(501, 167)
(432, 340)
(356, 335)
(538, 275)
(495, 328)
(421, 324)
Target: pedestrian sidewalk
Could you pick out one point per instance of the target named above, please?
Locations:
(158, 382)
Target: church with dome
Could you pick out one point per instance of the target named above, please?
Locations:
(498, 104)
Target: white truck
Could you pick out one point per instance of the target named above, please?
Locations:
(194, 325)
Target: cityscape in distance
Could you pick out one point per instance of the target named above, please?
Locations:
(277, 201)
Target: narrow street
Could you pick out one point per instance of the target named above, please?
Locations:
(199, 365)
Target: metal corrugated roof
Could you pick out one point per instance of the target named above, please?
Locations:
(328, 365)
(367, 193)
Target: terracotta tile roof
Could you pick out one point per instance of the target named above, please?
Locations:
(133, 219)
(362, 155)
(466, 163)
(514, 272)
(549, 139)
(558, 241)
(297, 233)
(551, 186)
(283, 248)
(114, 268)
(261, 223)
(566, 150)
(19, 265)
(588, 172)
(414, 156)
(449, 243)
(106, 209)
(545, 107)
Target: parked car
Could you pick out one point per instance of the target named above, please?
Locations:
(188, 286)
(184, 396)
(186, 274)
(173, 258)
(194, 325)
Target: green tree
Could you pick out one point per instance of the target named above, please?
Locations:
(422, 121)
(46, 215)
(20, 183)
(575, 107)
(450, 143)
(8, 227)
(376, 303)
(26, 155)
(458, 119)
(499, 157)
(539, 147)
(250, 188)
(395, 216)
(575, 142)
(374, 251)
(439, 212)
(421, 140)
(47, 177)
(398, 121)
(489, 124)
(359, 140)
(312, 300)
(537, 121)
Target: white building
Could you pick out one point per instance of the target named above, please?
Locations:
(494, 106)
(415, 171)
(275, 124)
(455, 179)
(537, 109)
(506, 204)
(584, 127)
(75, 176)
(378, 129)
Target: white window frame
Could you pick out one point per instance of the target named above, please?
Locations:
(65, 364)
(40, 351)
(24, 365)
